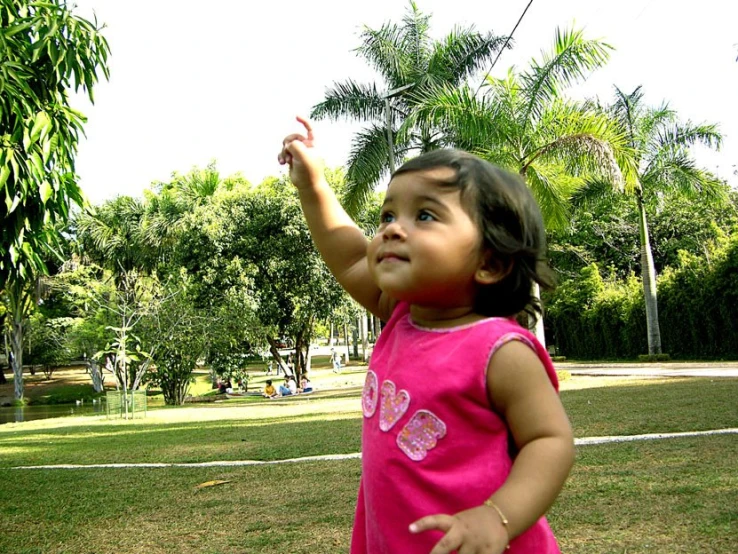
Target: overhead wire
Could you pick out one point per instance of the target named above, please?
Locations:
(507, 41)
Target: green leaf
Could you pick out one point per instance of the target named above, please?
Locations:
(41, 125)
(12, 204)
(4, 174)
(45, 191)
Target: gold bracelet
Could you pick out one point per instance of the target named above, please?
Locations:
(503, 519)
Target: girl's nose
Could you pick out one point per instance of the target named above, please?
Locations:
(393, 231)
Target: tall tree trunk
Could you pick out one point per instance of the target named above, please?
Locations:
(377, 328)
(355, 336)
(536, 323)
(277, 356)
(3, 380)
(16, 301)
(96, 374)
(346, 338)
(330, 335)
(364, 320)
(648, 274)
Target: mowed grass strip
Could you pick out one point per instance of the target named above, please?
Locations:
(668, 496)
(301, 508)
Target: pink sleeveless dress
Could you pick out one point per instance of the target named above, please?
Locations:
(431, 443)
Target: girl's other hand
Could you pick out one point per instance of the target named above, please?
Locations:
(475, 531)
(298, 151)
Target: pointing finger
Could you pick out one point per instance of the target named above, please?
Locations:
(308, 127)
(293, 137)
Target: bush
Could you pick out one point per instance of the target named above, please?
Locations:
(594, 318)
(650, 358)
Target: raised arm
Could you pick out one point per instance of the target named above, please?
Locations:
(339, 240)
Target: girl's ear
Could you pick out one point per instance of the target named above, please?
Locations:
(492, 270)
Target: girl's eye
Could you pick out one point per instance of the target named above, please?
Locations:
(425, 216)
(386, 217)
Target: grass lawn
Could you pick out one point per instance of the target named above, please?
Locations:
(675, 495)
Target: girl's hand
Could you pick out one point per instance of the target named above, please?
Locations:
(298, 152)
(475, 531)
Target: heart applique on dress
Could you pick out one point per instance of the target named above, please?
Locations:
(369, 394)
(392, 405)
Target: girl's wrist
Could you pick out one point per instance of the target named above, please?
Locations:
(501, 516)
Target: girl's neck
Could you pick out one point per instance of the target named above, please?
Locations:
(439, 318)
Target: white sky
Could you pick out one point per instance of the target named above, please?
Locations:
(196, 81)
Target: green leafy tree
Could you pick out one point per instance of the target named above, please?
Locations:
(174, 330)
(658, 160)
(112, 236)
(48, 342)
(410, 62)
(252, 248)
(46, 51)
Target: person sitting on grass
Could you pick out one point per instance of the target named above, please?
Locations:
(305, 384)
(269, 390)
(289, 388)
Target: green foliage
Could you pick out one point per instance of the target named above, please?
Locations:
(48, 342)
(46, 50)
(175, 332)
(593, 318)
(604, 230)
(410, 63)
(650, 358)
(523, 123)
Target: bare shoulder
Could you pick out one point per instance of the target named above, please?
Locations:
(515, 370)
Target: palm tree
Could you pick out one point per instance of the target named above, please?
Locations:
(524, 124)
(111, 236)
(658, 160)
(410, 62)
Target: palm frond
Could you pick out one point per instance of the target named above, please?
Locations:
(571, 59)
(416, 41)
(469, 121)
(592, 191)
(689, 134)
(368, 161)
(552, 194)
(652, 120)
(585, 141)
(676, 170)
(350, 100)
(384, 50)
(197, 185)
(462, 53)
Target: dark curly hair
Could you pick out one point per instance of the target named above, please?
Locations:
(510, 222)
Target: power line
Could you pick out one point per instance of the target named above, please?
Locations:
(507, 41)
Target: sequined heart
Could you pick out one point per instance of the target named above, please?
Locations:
(421, 434)
(370, 394)
(393, 406)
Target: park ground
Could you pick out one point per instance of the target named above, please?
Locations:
(666, 495)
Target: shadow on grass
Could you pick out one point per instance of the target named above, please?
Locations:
(201, 441)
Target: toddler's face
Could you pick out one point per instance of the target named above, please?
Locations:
(427, 248)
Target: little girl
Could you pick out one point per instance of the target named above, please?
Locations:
(465, 443)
